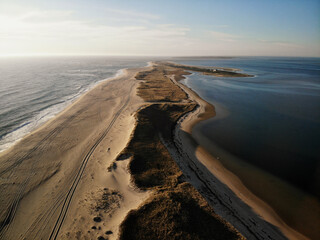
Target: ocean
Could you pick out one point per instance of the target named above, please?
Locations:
(34, 89)
(270, 121)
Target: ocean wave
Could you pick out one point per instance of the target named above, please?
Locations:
(47, 112)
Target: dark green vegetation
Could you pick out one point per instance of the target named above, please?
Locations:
(175, 210)
(208, 71)
(157, 87)
(156, 121)
(177, 213)
(149, 166)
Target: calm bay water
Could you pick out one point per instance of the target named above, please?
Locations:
(32, 90)
(272, 120)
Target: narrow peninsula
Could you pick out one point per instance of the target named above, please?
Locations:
(121, 163)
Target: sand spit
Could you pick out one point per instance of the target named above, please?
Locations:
(175, 210)
(72, 178)
(53, 181)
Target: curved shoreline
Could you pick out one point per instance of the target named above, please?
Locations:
(202, 158)
(54, 114)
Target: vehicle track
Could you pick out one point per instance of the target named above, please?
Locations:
(42, 143)
(14, 205)
(39, 225)
(66, 204)
(43, 219)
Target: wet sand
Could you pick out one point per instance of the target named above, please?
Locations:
(213, 170)
(299, 210)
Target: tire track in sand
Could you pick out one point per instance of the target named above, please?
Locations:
(66, 204)
(21, 190)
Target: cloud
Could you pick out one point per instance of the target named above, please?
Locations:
(46, 16)
(39, 31)
(133, 14)
(222, 26)
(61, 32)
(221, 36)
(280, 43)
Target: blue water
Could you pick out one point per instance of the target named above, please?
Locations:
(272, 120)
(32, 90)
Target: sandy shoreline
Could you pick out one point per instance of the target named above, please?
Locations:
(69, 103)
(200, 157)
(55, 176)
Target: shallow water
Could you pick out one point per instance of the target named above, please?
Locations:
(34, 89)
(273, 119)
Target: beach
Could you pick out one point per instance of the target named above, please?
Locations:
(54, 177)
(74, 178)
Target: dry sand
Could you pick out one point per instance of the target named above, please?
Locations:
(222, 189)
(53, 181)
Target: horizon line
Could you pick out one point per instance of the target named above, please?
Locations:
(138, 55)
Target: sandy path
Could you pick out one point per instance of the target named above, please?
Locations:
(223, 190)
(56, 175)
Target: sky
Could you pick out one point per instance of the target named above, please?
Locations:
(160, 28)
